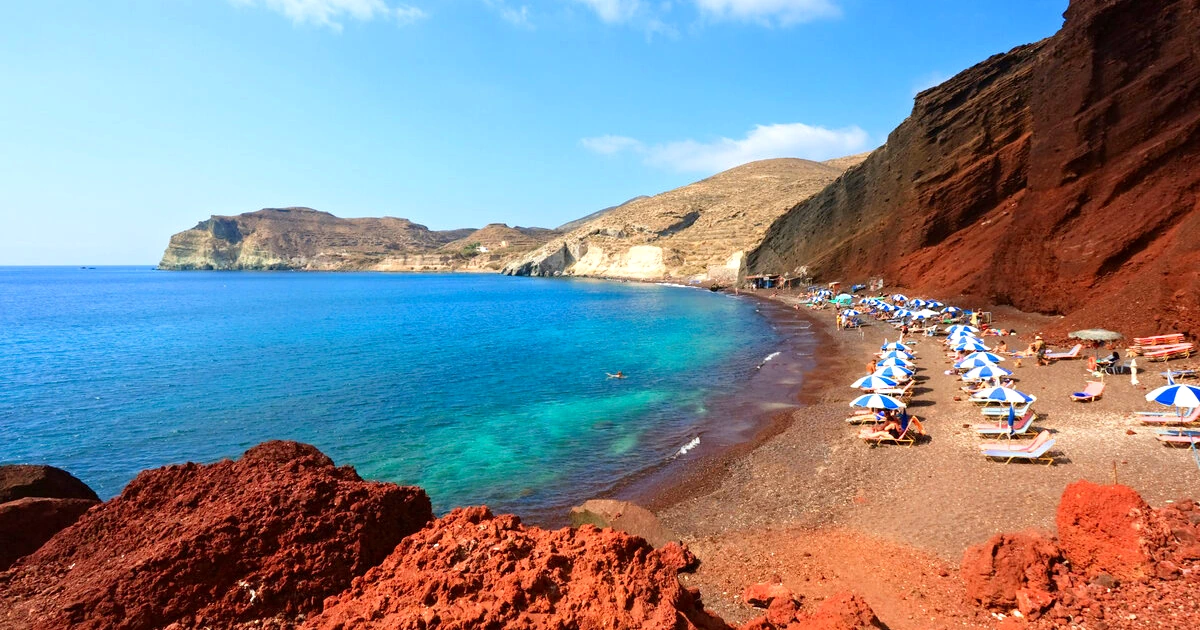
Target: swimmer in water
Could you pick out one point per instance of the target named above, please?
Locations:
(619, 374)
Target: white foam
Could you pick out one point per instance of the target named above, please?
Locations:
(770, 356)
(687, 447)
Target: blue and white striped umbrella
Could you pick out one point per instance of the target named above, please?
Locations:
(894, 361)
(873, 382)
(893, 345)
(960, 335)
(917, 303)
(903, 312)
(986, 356)
(877, 401)
(970, 345)
(951, 310)
(986, 371)
(1004, 395)
(970, 364)
(851, 313)
(934, 304)
(887, 307)
(894, 372)
(903, 354)
(1176, 396)
(900, 297)
(961, 327)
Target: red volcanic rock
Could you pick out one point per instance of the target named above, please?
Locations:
(471, 569)
(19, 481)
(25, 524)
(761, 594)
(1061, 177)
(1107, 529)
(843, 611)
(997, 570)
(271, 534)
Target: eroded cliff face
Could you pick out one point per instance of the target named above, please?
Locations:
(681, 233)
(309, 240)
(1060, 177)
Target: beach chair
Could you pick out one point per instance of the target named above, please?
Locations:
(861, 418)
(1158, 340)
(1020, 427)
(905, 436)
(1170, 419)
(1020, 410)
(1035, 451)
(1073, 353)
(1094, 390)
(1166, 353)
(903, 393)
(1179, 439)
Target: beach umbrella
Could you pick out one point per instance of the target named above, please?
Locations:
(894, 372)
(952, 310)
(934, 304)
(873, 382)
(899, 297)
(1176, 395)
(986, 371)
(851, 313)
(888, 307)
(970, 345)
(903, 354)
(917, 303)
(1003, 395)
(961, 327)
(894, 361)
(894, 345)
(903, 313)
(877, 401)
(986, 356)
(970, 364)
(1096, 334)
(844, 298)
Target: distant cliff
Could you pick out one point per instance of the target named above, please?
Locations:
(309, 240)
(685, 232)
(1061, 177)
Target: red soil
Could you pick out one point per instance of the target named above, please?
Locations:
(1008, 566)
(273, 533)
(471, 569)
(1107, 529)
(1061, 177)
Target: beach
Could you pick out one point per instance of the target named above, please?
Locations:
(813, 505)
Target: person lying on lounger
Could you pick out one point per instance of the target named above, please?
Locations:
(893, 428)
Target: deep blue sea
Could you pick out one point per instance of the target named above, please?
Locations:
(480, 388)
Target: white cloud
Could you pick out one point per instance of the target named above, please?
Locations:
(613, 11)
(330, 12)
(782, 12)
(517, 16)
(762, 142)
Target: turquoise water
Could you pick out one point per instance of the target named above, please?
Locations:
(480, 388)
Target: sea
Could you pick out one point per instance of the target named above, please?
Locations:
(483, 389)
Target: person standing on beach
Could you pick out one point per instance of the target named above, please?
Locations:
(870, 368)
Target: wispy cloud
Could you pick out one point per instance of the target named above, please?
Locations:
(330, 13)
(517, 16)
(780, 12)
(761, 142)
(613, 11)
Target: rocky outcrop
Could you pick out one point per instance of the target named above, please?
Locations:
(1008, 567)
(622, 516)
(271, 534)
(18, 481)
(1061, 177)
(1108, 529)
(841, 611)
(26, 524)
(472, 569)
(681, 233)
(308, 240)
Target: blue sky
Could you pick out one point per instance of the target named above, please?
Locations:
(124, 121)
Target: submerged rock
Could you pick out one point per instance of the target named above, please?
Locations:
(271, 534)
(622, 516)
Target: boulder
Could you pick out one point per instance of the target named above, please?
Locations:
(995, 571)
(761, 595)
(622, 516)
(18, 481)
(26, 524)
(473, 569)
(842, 611)
(270, 535)
(1108, 529)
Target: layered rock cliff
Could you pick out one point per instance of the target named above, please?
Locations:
(684, 232)
(310, 240)
(1060, 177)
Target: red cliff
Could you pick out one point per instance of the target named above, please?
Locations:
(1061, 177)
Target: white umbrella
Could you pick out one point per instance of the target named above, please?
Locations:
(970, 364)
(986, 371)
(873, 382)
(1176, 395)
(894, 372)
(970, 345)
(986, 356)
(957, 327)
(895, 345)
(877, 401)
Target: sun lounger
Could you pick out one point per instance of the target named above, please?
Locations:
(1035, 451)
(1172, 419)
(1073, 353)
(862, 418)
(1020, 410)
(1094, 390)
(905, 437)
(1165, 353)
(1191, 432)
(902, 393)
(1179, 374)
(1178, 440)
(1158, 340)
(1019, 427)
